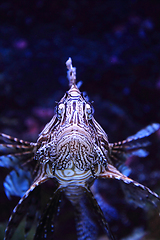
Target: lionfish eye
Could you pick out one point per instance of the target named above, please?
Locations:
(60, 110)
(89, 111)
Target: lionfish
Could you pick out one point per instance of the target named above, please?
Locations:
(73, 151)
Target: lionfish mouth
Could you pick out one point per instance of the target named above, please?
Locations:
(74, 176)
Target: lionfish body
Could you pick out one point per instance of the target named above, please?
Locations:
(73, 150)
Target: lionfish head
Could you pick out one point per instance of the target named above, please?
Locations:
(73, 108)
(67, 139)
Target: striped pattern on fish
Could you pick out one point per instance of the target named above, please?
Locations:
(72, 150)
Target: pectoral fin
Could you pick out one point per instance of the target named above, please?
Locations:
(137, 192)
(133, 146)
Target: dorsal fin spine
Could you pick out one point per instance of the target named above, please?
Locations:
(71, 73)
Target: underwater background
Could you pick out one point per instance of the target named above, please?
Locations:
(115, 46)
